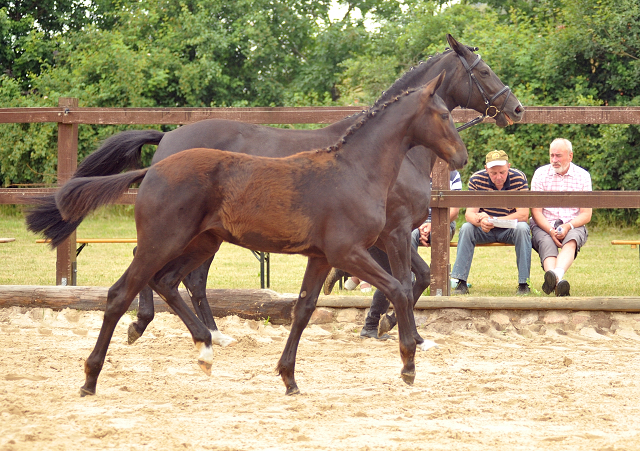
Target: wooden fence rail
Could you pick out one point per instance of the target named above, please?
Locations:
(68, 115)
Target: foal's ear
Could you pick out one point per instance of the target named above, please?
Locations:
(431, 87)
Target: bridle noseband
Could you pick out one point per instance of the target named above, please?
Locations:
(487, 101)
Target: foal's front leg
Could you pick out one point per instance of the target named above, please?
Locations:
(314, 276)
(363, 266)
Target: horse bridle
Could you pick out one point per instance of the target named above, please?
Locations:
(487, 101)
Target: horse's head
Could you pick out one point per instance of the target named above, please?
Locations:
(434, 127)
(485, 92)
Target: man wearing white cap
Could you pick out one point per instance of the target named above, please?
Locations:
(481, 226)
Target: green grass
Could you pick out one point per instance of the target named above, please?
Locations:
(600, 270)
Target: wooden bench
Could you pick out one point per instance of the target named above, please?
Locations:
(262, 257)
(632, 243)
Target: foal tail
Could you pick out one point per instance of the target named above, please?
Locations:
(117, 153)
(81, 195)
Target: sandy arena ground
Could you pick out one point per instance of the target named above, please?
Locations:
(501, 380)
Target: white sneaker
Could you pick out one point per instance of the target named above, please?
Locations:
(350, 285)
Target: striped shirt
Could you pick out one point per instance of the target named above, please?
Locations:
(546, 179)
(516, 181)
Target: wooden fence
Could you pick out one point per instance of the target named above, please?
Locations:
(68, 115)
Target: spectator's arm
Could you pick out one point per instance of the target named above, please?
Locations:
(473, 216)
(453, 213)
(540, 220)
(584, 216)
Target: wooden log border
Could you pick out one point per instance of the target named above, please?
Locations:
(257, 304)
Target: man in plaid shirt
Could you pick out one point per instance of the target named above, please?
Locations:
(563, 228)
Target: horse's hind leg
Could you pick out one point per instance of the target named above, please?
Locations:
(146, 312)
(119, 298)
(196, 284)
(314, 277)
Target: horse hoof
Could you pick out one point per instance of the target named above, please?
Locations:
(132, 334)
(409, 378)
(385, 324)
(294, 390)
(204, 366)
(84, 392)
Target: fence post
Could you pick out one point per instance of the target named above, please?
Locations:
(67, 162)
(440, 237)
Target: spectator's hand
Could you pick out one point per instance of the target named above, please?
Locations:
(425, 232)
(565, 230)
(485, 225)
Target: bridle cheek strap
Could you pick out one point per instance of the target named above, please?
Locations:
(491, 110)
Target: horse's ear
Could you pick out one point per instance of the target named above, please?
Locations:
(455, 45)
(432, 86)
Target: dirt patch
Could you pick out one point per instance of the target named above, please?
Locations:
(515, 380)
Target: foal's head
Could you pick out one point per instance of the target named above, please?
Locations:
(434, 127)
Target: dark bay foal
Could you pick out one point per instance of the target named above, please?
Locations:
(328, 204)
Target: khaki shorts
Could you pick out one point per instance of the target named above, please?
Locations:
(544, 245)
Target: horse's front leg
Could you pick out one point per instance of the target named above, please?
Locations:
(423, 278)
(314, 277)
(360, 263)
(196, 284)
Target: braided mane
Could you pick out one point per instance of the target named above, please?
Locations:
(366, 116)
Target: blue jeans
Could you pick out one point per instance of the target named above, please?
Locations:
(471, 235)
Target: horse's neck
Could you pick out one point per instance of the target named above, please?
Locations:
(425, 72)
(378, 147)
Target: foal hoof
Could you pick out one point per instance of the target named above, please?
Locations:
(132, 334)
(385, 324)
(204, 366)
(85, 392)
(408, 378)
(293, 390)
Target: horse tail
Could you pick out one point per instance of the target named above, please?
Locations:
(56, 217)
(117, 153)
(121, 152)
(81, 195)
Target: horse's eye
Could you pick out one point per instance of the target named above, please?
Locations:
(445, 116)
(484, 73)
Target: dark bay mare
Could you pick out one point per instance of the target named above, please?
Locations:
(328, 204)
(469, 83)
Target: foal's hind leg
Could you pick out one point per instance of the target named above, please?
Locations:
(119, 298)
(314, 277)
(145, 313)
(196, 284)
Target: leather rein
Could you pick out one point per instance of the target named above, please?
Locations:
(487, 101)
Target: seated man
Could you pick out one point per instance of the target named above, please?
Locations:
(422, 235)
(497, 176)
(380, 304)
(563, 228)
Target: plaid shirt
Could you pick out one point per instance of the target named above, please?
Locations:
(546, 179)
